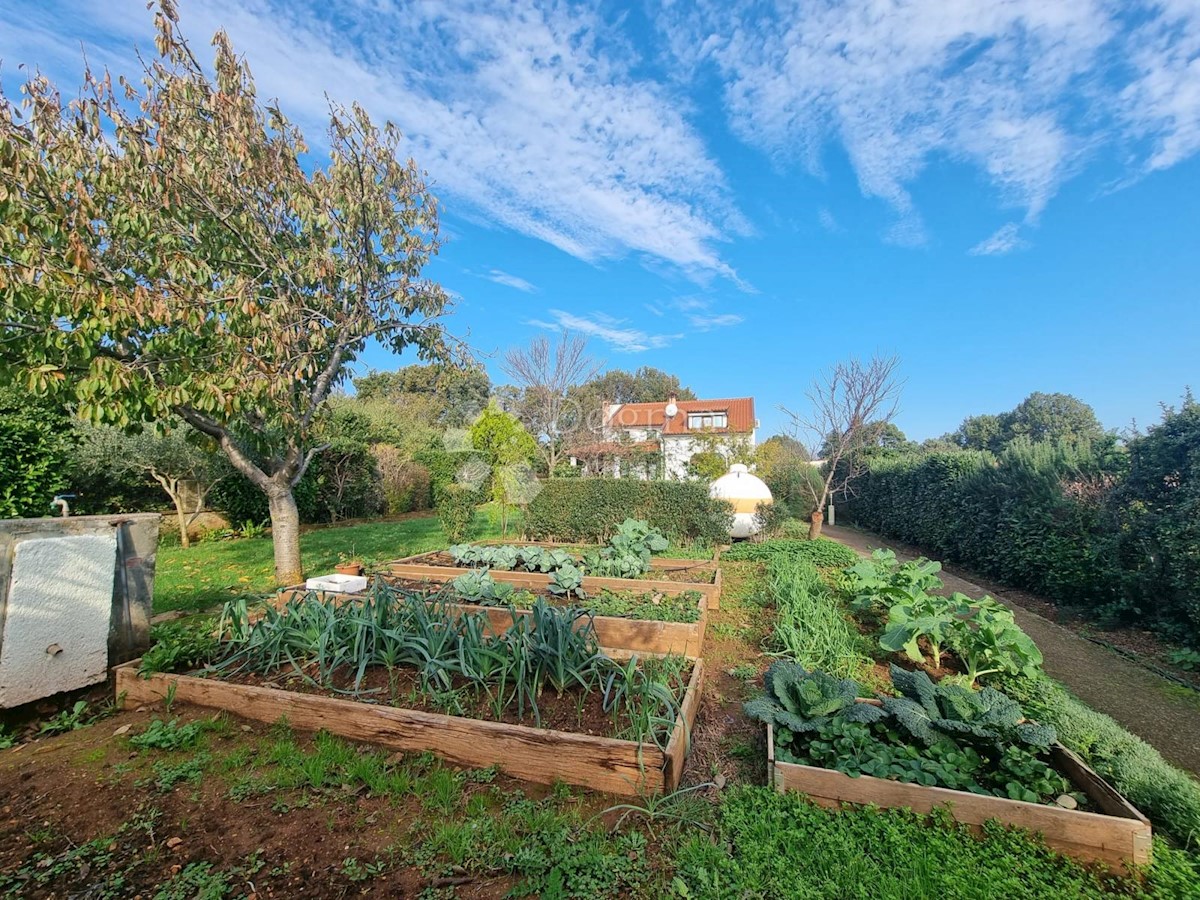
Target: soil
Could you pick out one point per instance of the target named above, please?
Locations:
(727, 747)
(576, 710)
(58, 793)
(1160, 711)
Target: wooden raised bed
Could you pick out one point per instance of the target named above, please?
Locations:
(418, 568)
(1117, 836)
(643, 636)
(532, 754)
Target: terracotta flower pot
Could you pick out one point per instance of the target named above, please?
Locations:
(349, 568)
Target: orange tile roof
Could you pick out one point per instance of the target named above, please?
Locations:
(739, 410)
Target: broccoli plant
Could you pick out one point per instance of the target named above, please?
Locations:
(882, 581)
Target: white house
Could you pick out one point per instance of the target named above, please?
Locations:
(649, 439)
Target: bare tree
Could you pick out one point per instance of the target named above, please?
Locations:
(546, 372)
(848, 406)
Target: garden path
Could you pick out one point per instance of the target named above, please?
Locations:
(1159, 711)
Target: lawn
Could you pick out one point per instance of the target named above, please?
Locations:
(211, 572)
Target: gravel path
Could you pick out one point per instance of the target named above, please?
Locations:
(1160, 712)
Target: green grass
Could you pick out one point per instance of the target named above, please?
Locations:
(207, 574)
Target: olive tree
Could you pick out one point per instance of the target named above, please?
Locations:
(167, 253)
(184, 464)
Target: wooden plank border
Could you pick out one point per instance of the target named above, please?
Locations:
(412, 567)
(1116, 837)
(540, 755)
(643, 636)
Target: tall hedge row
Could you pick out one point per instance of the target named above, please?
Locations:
(1089, 526)
(589, 509)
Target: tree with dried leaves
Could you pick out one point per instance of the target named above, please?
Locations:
(848, 406)
(166, 253)
(546, 373)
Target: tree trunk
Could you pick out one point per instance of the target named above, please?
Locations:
(285, 535)
(814, 524)
(182, 515)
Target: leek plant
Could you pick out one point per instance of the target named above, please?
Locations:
(324, 641)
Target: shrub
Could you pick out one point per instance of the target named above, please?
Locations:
(347, 483)
(822, 552)
(445, 465)
(35, 448)
(406, 485)
(590, 509)
(456, 511)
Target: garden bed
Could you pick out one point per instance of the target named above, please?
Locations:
(1117, 836)
(623, 633)
(533, 754)
(677, 575)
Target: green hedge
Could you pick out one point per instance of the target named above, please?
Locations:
(1099, 527)
(1030, 517)
(589, 509)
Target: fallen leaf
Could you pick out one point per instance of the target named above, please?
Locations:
(174, 842)
(122, 730)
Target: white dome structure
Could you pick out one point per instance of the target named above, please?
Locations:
(744, 492)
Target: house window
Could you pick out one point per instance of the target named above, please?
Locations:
(700, 421)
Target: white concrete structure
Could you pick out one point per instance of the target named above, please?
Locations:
(56, 622)
(671, 433)
(744, 492)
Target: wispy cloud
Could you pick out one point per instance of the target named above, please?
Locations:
(708, 323)
(828, 222)
(1005, 239)
(533, 113)
(512, 281)
(617, 333)
(1027, 91)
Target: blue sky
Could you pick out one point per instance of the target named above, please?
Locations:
(743, 191)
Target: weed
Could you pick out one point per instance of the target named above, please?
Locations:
(168, 774)
(168, 735)
(197, 881)
(442, 791)
(67, 720)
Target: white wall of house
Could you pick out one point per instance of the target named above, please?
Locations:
(678, 449)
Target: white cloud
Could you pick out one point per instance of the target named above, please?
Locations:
(530, 112)
(828, 222)
(1024, 90)
(617, 333)
(1005, 239)
(708, 323)
(512, 281)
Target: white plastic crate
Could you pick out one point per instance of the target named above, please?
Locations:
(342, 584)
